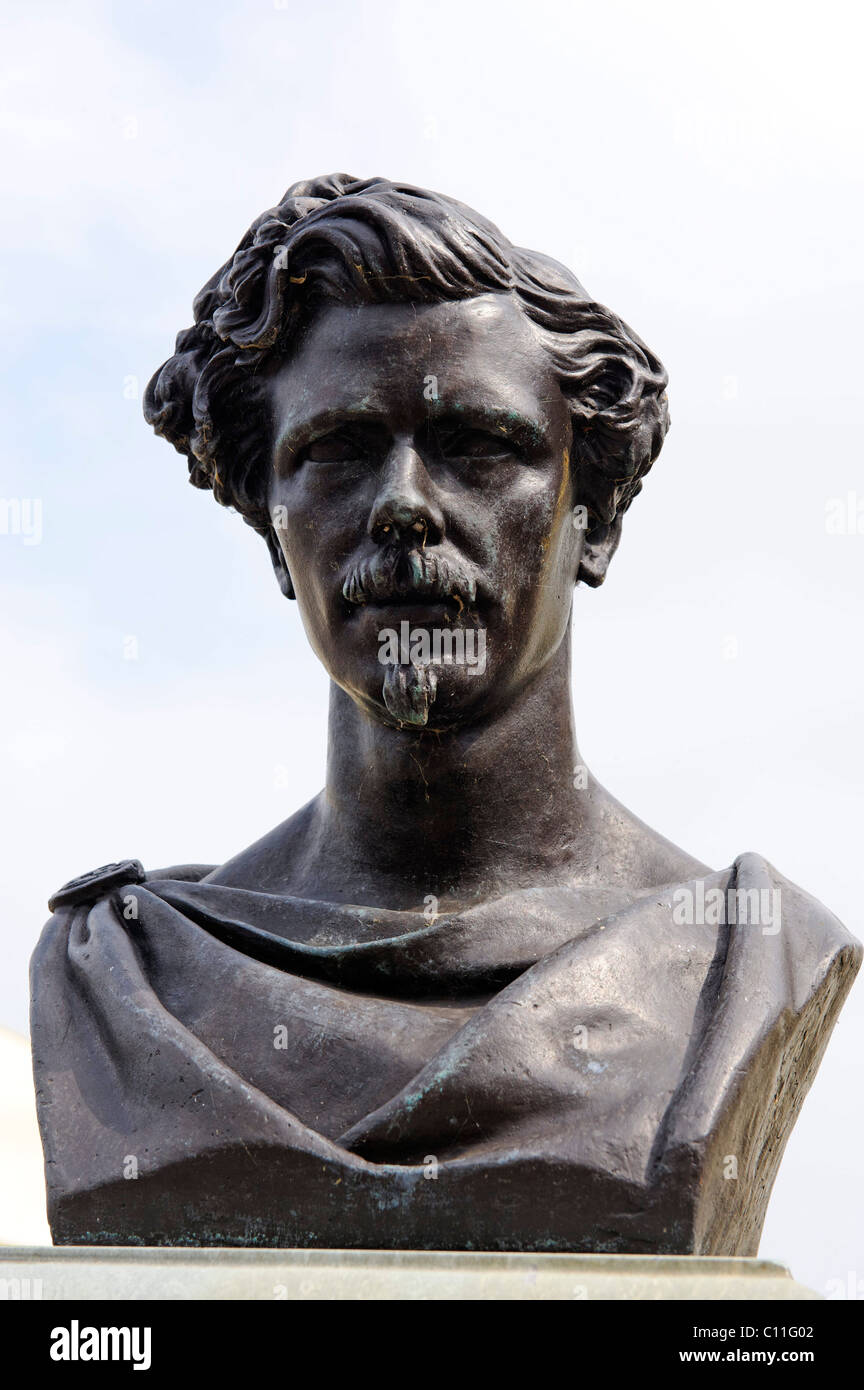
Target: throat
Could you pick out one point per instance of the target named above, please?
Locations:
(409, 813)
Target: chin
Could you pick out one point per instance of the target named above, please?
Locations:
(429, 698)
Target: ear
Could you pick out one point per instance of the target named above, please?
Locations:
(599, 546)
(280, 569)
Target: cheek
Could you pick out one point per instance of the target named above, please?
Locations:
(315, 537)
(533, 536)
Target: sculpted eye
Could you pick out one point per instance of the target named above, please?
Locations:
(333, 448)
(477, 444)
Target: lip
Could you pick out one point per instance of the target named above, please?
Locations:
(410, 601)
(418, 610)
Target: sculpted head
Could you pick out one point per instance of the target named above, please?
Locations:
(436, 432)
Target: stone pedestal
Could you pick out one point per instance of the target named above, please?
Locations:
(91, 1272)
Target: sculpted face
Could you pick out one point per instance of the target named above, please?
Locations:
(421, 476)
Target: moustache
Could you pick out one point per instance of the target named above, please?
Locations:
(397, 573)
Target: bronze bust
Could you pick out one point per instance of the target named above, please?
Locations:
(463, 999)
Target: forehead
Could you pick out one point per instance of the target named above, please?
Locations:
(407, 361)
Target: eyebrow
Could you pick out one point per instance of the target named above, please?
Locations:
(522, 429)
(494, 420)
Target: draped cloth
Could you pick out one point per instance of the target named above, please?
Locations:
(559, 1069)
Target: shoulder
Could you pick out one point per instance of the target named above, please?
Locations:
(266, 865)
(641, 856)
(819, 952)
(78, 895)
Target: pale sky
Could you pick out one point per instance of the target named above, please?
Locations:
(698, 166)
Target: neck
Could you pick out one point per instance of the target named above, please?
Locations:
(484, 808)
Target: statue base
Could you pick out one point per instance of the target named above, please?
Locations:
(171, 1273)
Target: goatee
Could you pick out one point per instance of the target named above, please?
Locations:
(409, 692)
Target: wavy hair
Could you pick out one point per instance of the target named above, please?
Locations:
(345, 240)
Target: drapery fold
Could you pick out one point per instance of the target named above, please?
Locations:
(559, 1069)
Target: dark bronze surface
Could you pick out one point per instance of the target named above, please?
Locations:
(464, 998)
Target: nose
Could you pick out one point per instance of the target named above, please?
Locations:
(405, 508)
